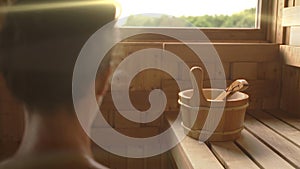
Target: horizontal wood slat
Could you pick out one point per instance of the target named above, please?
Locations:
(229, 52)
(279, 144)
(287, 118)
(261, 153)
(278, 126)
(231, 156)
(290, 55)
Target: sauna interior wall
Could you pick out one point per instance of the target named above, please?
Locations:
(290, 52)
(257, 62)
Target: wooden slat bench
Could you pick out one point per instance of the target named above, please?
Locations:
(270, 140)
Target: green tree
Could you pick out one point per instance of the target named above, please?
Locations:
(243, 19)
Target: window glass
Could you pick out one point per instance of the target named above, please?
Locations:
(199, 13)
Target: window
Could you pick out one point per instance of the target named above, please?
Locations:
(219, 19)
(199, 13)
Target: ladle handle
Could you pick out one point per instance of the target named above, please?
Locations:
(237, 85)
(197, 99)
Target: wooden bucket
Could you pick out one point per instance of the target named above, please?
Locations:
(195, 107)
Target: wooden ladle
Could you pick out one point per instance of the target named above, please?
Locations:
(237, 85)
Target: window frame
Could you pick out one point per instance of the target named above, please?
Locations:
(259, 34)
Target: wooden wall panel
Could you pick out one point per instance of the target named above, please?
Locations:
(291, 2)
(256, 61)
(290, 52)
(279, 29)
(272, 28)
(291, 16)
(247, 70)
(294, 39)
(290, 55)
(290, 95)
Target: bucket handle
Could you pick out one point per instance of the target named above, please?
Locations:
(198, 99)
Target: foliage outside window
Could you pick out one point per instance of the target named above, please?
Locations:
(243, 19)
(193, 13)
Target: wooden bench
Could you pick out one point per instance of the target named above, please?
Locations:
(271, 139)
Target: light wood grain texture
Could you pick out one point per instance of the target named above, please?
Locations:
(278, 126)
(280, 30)
(231, 156)
(271, 102)
(214, 35)
(229, 52)
(166, 161)
(121, 122)
(135, 163)
(190, 154)
(295, 36)
(260, 146)
(169, 85)
(260, 153)
(257, 88)
(244, 70)
(199, 154)
(153, 162)
(291, 16)
(288, 77)
(180, 159)
(286, 149)
(287, 33)
(291, 55)
(270, 70)
(291, 3)
(290, 92)
(287, 118)
(116, 161)
(272, 28)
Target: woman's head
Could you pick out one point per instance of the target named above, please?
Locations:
(39, 49)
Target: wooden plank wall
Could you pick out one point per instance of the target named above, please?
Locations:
(257, 62)
(290, 52)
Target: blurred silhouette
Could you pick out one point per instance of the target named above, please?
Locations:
(39, 48)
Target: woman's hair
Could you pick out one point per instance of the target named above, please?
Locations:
(39, 49)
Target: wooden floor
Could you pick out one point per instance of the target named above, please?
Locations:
(271, 139)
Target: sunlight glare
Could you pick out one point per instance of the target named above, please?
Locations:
(185, 7)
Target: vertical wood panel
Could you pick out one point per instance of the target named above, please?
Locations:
(295, 35)
(290, 94)
(272, 30)
(280, 29)
(291, 3)
(290, 16)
